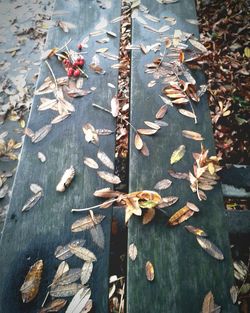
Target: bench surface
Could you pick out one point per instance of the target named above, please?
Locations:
(184, 273)
(34, 235)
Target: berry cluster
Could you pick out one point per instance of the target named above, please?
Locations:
(73, 69)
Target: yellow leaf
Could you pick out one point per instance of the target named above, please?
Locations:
(247, 52)
(178, 154)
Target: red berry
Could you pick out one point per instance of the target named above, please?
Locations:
(79, 46)
(75, 64)
(81, 62)
(65, 61)
(76, 73)
(70, 71)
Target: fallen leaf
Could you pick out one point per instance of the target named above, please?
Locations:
(97, 234)
(152, 125)
(151, 83)
(144, 150)
(210, 248)
(79, 301)
(41, 133)
(36, 188)
(138, 142)
(180, 216)
(192, 206)
(178, 154)
(150, 272)
(163, 184)
(41, 157)
(104, 132)
(148, 216)
(109, 177)
(86, 272)
(69, 277)
(166, 101)
(63, 252)
(147, 131)
(32, 201)
(208, 303)
(192, 135)
(90, 133)
(192, 21)
(82, 253)
(115, 106)
(167, 201)
(63, 267)
(178, 175)
(234, 294)
(30, 287)
(161, 112)
(187, 113)
(102, 156)
(198, 45)
(90, 163)
(54, 306)
(65, 291)
(66, 179)
(132, 251)
(65, 26)
(196, 231)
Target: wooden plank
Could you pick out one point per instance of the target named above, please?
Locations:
(238, 222)
(35, 235)
(184, 273)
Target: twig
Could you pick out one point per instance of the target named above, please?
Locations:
(45, 299)
(93, 207)
(120, 116)
(52, 73)
(65, 45)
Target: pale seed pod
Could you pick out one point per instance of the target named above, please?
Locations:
(66, 179)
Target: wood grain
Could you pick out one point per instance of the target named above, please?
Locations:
(34, 235)
(184, 273)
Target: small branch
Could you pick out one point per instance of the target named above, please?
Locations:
(65, 45)
(120, 116)
(45, 299)
(93, 207)
(52, 73)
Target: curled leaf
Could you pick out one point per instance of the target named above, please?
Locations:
(30, 287)
(178, 154)
(180, 216)
(210, 248)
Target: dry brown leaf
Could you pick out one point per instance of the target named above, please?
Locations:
(63, 267)
(208, 303)
(86, 272)
(97, 234)
(192, 135)
(61, 291)
(152, 125)
(66, 179)
(187, 113)
(109, 177)
(192, 206)
(132, 251)
(151, 83)
(178, 175)
(30, 287)
(144, 149)
(104, 131)
(82, 253)
(180, 216)
(86, 223)
(161, 112)
(178, 154)
(150, 272)
(102, 156)
(196, 231)
(115, 106)
(90, 133)
(41, 133)
(79, 301)
(210, 248)
(59, 118)
(63, 252)
(198, 45)
(138, 142)
(69, 277)
(163, 184)
(148, 216)
(167, 201)
(36, 188)
(234, 293)
(32, 201)
(65, 26)
(106, 193)
(147, 131)
(54, 306)
(90, 163)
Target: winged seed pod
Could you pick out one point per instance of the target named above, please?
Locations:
(66, 179)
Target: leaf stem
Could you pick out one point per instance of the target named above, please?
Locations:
(52, 73)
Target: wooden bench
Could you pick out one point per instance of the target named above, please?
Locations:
(184, 273)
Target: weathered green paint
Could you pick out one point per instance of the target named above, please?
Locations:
(34, 235)
(184, 273)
